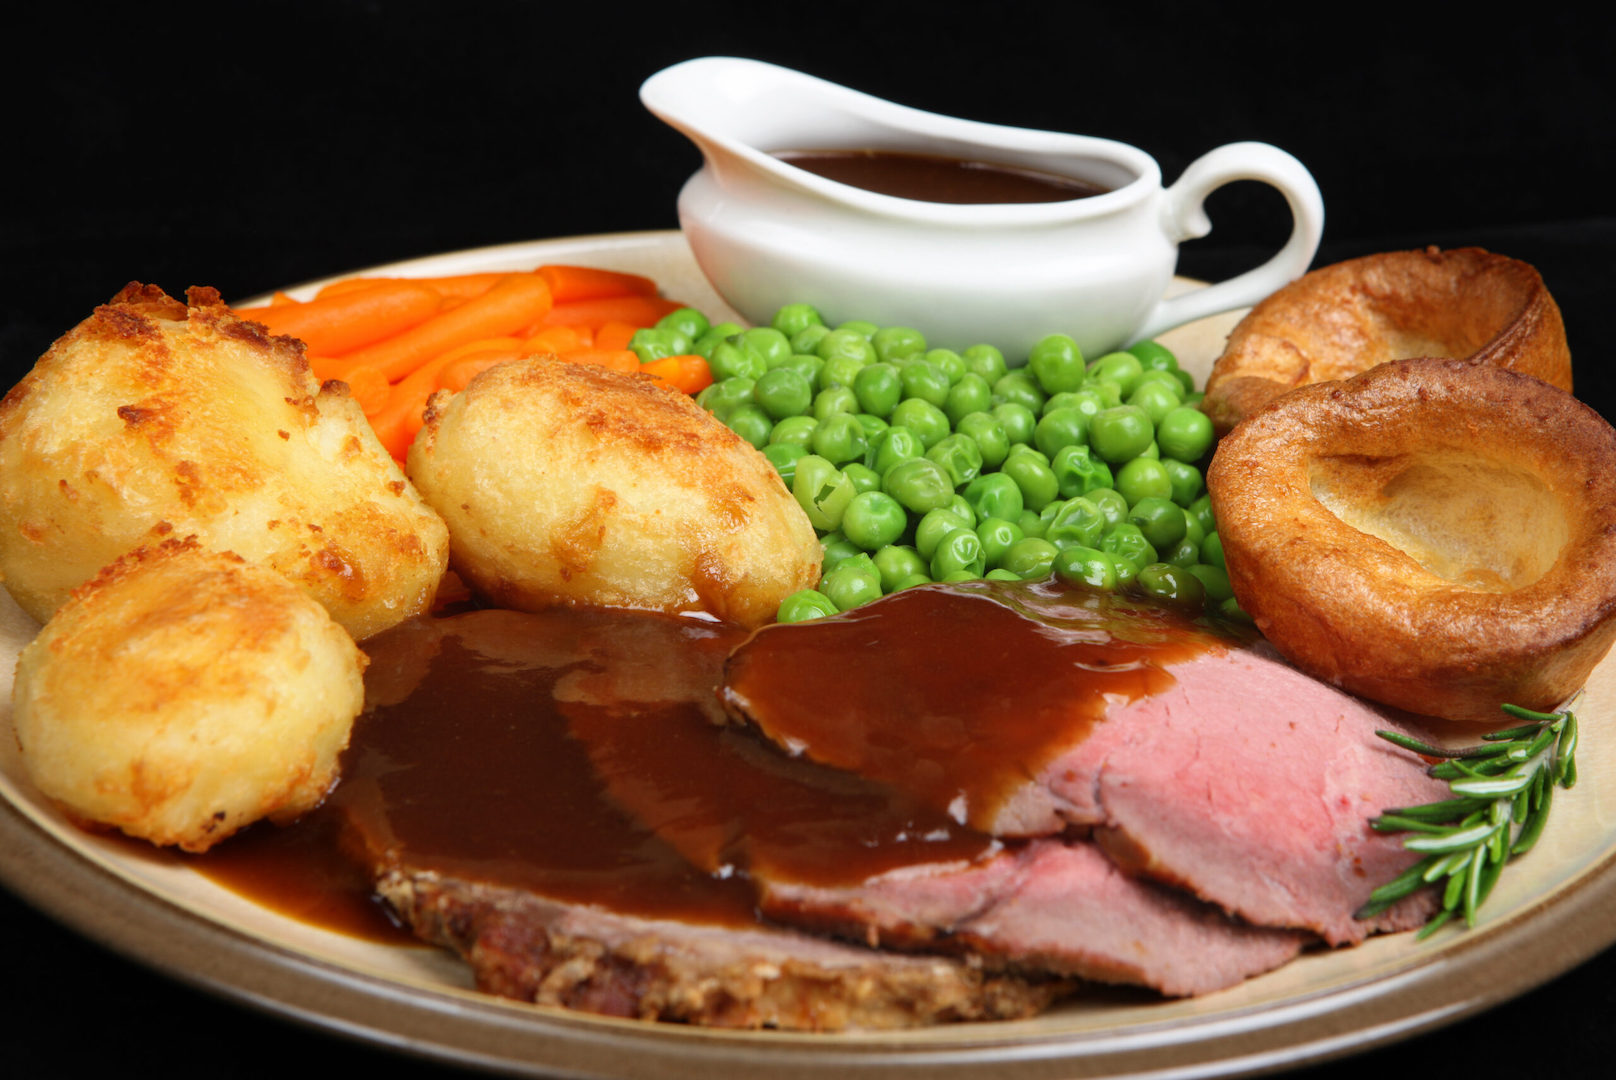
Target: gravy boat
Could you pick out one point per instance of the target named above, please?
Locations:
(767, 233)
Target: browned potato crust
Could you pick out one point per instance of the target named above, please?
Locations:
(152, 419)
(1432, 534)
(1342, 319)
(183, 694)
(568, 483)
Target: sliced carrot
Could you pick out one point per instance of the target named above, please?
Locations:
(614, 335)
(517, 301)
(615, 359)
(460, 286)
(637, 310)
(348, 321)
(689, 373)
(569, 283)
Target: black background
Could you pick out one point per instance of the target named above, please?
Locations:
(260, 146)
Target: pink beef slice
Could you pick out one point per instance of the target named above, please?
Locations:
(1053, 905)
(1225, 771)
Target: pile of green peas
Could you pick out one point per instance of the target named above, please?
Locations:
(918, 464)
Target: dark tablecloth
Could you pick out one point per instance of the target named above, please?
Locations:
(281, 143)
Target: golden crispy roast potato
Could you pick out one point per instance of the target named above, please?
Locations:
(183, 694)
(152, 419)
(1432, 534)
(1346, 318)
(568, 483)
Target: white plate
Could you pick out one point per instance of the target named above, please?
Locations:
(1551, 910)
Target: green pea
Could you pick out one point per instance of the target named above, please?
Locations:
(959, 457)
(1077, 522)
(803, 364)
(988, 434)
(1142, 478)
(969, 394)
(822, 490)
(850, 585)
(687, 322)
(961, 508)
(1121, 368)
(927, 421)
(804, 605)
(958, 556)
(1186, 480)
(892, 342)
(986, 361)
(873, 520)
(1166, 582)
(1019, 388)
(704, 345)
(933, 526)
(783, 392)
(897, 443)
(879, 388)
(1212, 551)
(1121, 433)
(1059, 429)
(949, 362)
(864, 478)
(1185, 434)
(1214, 580)
(995, 495)
(1078, 471)
(843, 344)
(840, 370)
(839, 438)
(1086, 566)
(1202, 509)
(1127, 570)
(1156, 399)
(1035, 479)
(836, 549)
(896, 562)
(653, 343)
(924, 381)
(1110, 503)
(1161, 520)
(833, 400)
(1019, 421)
(783, 456)
(873, 426)
(1154, 356)
(793, 319)
(998, 573)
(1030, 558)
(918, 483)
(808, 338)
(725, 394)
(997, 535)
(767, 342)
(1057, 363)
(797, 430)
(862, 327)
(1186, 553)
(910, 581)
(1126, 540)
(733, 358)
(1030, 523)
(751, 423)
(1230, 609)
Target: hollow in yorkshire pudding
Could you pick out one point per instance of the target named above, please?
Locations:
(1342, 319)
(1433, 534)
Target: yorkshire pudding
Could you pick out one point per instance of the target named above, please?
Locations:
(1433, 534)
(1346, 318)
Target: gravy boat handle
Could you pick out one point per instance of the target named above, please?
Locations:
(1184, 218)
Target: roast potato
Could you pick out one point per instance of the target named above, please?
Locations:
(182, 694)
(154, 419)
(569, 483)
(1433, 534)
(1343, 319)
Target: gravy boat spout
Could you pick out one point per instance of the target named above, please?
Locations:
(768, 233)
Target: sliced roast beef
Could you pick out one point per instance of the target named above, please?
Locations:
(1197, 756)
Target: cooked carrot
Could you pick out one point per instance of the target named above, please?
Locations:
(461, 286)
(517, 301)
(615, 359)
(397, 422)
(688, 373)
(559, 339)
(368, 387)
(638, 310)
(614, 335)
(455, 376)
(347, 321)
(569, 283)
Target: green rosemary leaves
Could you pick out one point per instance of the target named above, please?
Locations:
(1502, 791)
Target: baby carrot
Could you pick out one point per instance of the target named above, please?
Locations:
(613, 334)
(689, 374)
(569, 283)
(637, 310)
(461, 286)
(615, 359)
(558, 339)
(515, 302)
(368, 387)
(397, 422)
(351, 320)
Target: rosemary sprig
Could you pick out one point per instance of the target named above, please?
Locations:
(1502, 791)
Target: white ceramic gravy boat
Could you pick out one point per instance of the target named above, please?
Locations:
(767, 233)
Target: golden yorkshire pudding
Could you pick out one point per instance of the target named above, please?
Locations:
(1433, 534)
(1342, 319)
